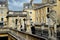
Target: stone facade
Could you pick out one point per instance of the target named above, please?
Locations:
(16, 19)
(3, 12)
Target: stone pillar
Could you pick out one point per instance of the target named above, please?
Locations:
(18, 27)
(28, 26)
(55, 31)
(42, 27)
(18, 24)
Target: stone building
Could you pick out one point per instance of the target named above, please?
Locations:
(16, 18)
(3, 12)
(37, 14)
(40, 11)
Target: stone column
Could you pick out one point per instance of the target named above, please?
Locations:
(55, 31)
(18, 24)
(28, 24)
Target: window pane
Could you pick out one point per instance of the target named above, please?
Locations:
(30, 12)
(16, 21)
(47, 9)
(1, 19)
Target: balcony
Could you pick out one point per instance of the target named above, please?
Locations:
(19, 35)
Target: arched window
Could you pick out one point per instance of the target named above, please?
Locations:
(47, 9)
(16, 21)
(2, 18)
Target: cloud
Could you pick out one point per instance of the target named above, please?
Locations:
(17, 5)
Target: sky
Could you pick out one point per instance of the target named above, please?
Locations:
(17, 5)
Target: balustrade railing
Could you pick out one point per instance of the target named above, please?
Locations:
(19, 35)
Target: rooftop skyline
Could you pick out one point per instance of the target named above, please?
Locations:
(17, 5)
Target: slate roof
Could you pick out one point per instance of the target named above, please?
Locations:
(3, 1)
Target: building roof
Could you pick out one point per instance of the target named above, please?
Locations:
(44, 5)
(15, 15)
(16, 11)
(3, 1)
(34, 5)
(39, 5)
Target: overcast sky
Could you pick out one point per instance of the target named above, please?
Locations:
(17, 5)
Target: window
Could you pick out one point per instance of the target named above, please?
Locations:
(3, 5)
(30, 18)
(47, 9)
(16, 21)
(1, 19)
(30, 12)
(10, 12)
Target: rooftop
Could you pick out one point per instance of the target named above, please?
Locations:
(44, 5)
(3, 1)
(15, 15)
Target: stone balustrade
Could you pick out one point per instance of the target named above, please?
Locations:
(19, 35)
